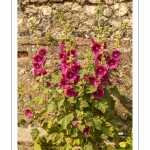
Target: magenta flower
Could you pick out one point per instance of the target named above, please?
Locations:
(75, 123)
(63, 57)
(56, 85)
(48, 84)
(64, 83)
(44, 72)
(62, 47)
(93, 81)
(76, 79)
(86, 130)
(99, 93)
(75, 68)
(116, 54)
(98, 59)
(28, 113)
(112, 63)
(96, 48)
(39, 59)
(36, 65)
(70, 92)
(70, 75)
(100, 71)
(115, 80)
(107, 56)
(105, 45)
(42, 52)
(37, 72)
(104, 79)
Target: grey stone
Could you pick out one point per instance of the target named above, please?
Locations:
(90, 10)
(33, 1)
(94, 1)
(107, 12)
(34, 11)
(123, 10)
(128, 19)
(76, 7)
(81, 1)
(128, 33)
(116, 23)
(109, 2)
(119, 1)
(46, 10)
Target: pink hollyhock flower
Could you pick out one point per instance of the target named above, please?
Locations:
(63, 57)
(62, 47)
(73, 53)
(56, 85)
(48, 84)
(64, 83)
(116, 54)
(42, 52)
(75, 68)
(105, 45)
(115, 80)
(86, 130)
(75, 123)
(37, 72)
(36, 65)
(86, 78)
(44, 72)
(107, 56)
(39, 59)
(70, 75)
(98, 59)
(100, 71)
(104, 79)
(70, 92)
(76, 79)
(99, 93)
(96, 48)
(28, 113)
(93, 81)
(112, 63)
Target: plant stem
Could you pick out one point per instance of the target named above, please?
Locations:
(93, 107)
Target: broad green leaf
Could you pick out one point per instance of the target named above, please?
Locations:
(115, 92)
(45, 90)
(97, 123)
(36, 86)
(46, 125)
(37, 146)
(38, 100)
(55, 79)
(50, 107)
(64, 119)
(101, 105)
(74, 132)
(90, 89)
(107, 129)
(108, 147)
(34, 133)
(68, 147)
(60, 102)
(83, 103)
(57, 137)
(71, 100)
(76, 142)
(88, 146)
(81, 127)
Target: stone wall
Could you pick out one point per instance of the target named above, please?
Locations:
(83, 14)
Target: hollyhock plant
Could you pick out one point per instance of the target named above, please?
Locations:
(28, 113)
(70, 75)
(42, 52)
(70, 92)
(75, 68)
(64, 83)
(94, 81)
(75, 123)
(100, 71)
(39, 59)
(99, 93)
(96, 48)
(98, 59)
(86, 130)
(116, 54)
(112, 63)
(105, 79)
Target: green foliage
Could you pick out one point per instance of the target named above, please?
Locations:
(34, 133)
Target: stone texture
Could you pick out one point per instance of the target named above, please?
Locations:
(116, 23)
(34, 1)
(108, 12)
(76, 7)
(109, 2)
(90, 10)
(119, 1)
(94, 1)
(123, 10)
(81, 1)
(46, 10)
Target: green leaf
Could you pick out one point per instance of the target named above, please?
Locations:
(108, 147)
(76, 142)
(57, 137)
(68, 147)
(60, 102)
(64, 119)
(45, 90)
(36, 86)
(107, 129)
(74, 132)
(55, 79)
(50, 107)
(101, 105)
(81, 127)
(38, 100)
(90, 89)
(46, 125)
(88, 146)
(34, 133)
(37, 146)
(97, 123)
(83, 103)
(115, 92)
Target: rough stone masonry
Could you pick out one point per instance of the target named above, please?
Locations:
(83, 14)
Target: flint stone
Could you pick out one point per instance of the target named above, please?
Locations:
(81, 1)
(90, 10)
(123, 10)
(94, 1)
(76, 7)
(46, 10)
(109, 2)
(107, 12)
